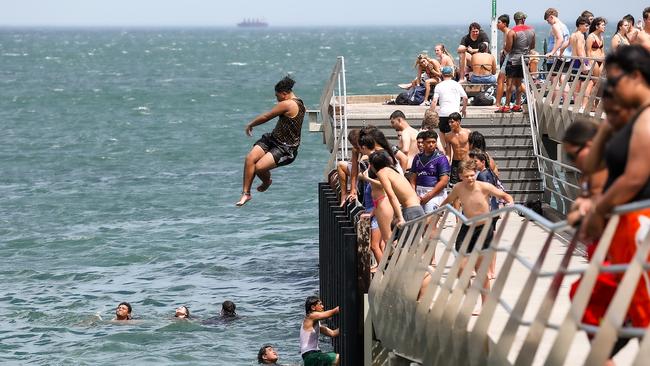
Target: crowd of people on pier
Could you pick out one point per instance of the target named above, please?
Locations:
(476, 65)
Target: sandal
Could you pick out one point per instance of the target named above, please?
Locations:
(517, 108)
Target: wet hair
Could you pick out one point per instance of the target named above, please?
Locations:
(629, 18)
(595, 23)
(397, 114)
(587, 14)
(285, 85)
(646, 12)
(380, 160)
(466, 165)
(428, 134)
(482, 47)
(262, 352)
(630, 59)
(581, 20)
(581, 131)
(311, 301)
(431, 120)
(187, 311)
(353, 136)
(473, 25)
(549, 12)
(455, 116)
(505, 19)
(478, 154)
(128, 306)
(228, 308)
(477, 140)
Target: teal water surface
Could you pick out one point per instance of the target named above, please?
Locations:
(121, 156)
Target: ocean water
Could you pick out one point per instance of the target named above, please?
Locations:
(121, 157)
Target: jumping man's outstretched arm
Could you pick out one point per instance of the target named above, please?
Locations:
(279, 109)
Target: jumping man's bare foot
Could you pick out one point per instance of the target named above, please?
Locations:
(264, 186)
(245, 197)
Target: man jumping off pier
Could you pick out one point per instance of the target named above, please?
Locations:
(277, 148)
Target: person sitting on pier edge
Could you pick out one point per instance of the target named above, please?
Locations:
(277, 148)
(428, 74)
(310, 330)
(457, 140)
(448, 94)
(517, 45)
(406, 135)
(444, 57)
(473, 196)
(402, 197)
(123, 311)
(267, 355)
(348, 171)
(430, 170)
(484, 66)
(469, 46)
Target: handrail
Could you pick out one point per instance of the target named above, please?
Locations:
(549, 114)
(439, 329)
(333, 113)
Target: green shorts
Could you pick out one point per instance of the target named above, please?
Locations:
(320, 359)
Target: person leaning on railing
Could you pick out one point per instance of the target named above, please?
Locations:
(626, 156)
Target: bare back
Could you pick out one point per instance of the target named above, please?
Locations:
(401, 187)
(577, 42)
(482, 64)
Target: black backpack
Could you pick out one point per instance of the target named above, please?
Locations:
(413, 96)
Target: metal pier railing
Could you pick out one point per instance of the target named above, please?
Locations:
(527, 317)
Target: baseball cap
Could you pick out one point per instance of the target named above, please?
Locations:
(447, 70)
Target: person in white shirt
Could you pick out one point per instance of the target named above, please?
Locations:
(448, 94)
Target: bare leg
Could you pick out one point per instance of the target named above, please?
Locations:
(500, 81)
(342, 170)
(263, 170)
(384, 214)
(517, 85)
(253, 156)
(462, 61)
(375, 244)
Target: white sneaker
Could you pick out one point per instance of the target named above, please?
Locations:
(426, 102)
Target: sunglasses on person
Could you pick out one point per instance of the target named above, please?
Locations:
(613, 81)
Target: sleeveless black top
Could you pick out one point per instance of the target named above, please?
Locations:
(616, 156)
(287, 131)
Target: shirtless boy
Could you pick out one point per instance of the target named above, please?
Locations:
(406, 135)
(473, 196)
(457, 145)
(398, 189)
(577, 42)
(643, 35)
(311, 329)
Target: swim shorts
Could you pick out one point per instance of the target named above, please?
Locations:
(477, 231)
(483, 79)
(514, 71)
(318, 358)
(444, 125)
(412, 213)
(282, 154)
(454, 177)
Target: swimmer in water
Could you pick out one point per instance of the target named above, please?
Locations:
(123, 311)
(182, 312)
(276, 148)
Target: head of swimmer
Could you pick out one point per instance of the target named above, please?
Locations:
(123, 311)
(267, 355)
(182, 312)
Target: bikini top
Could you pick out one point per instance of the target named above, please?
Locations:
(595, 45)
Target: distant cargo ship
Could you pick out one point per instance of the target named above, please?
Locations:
(253, 23)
